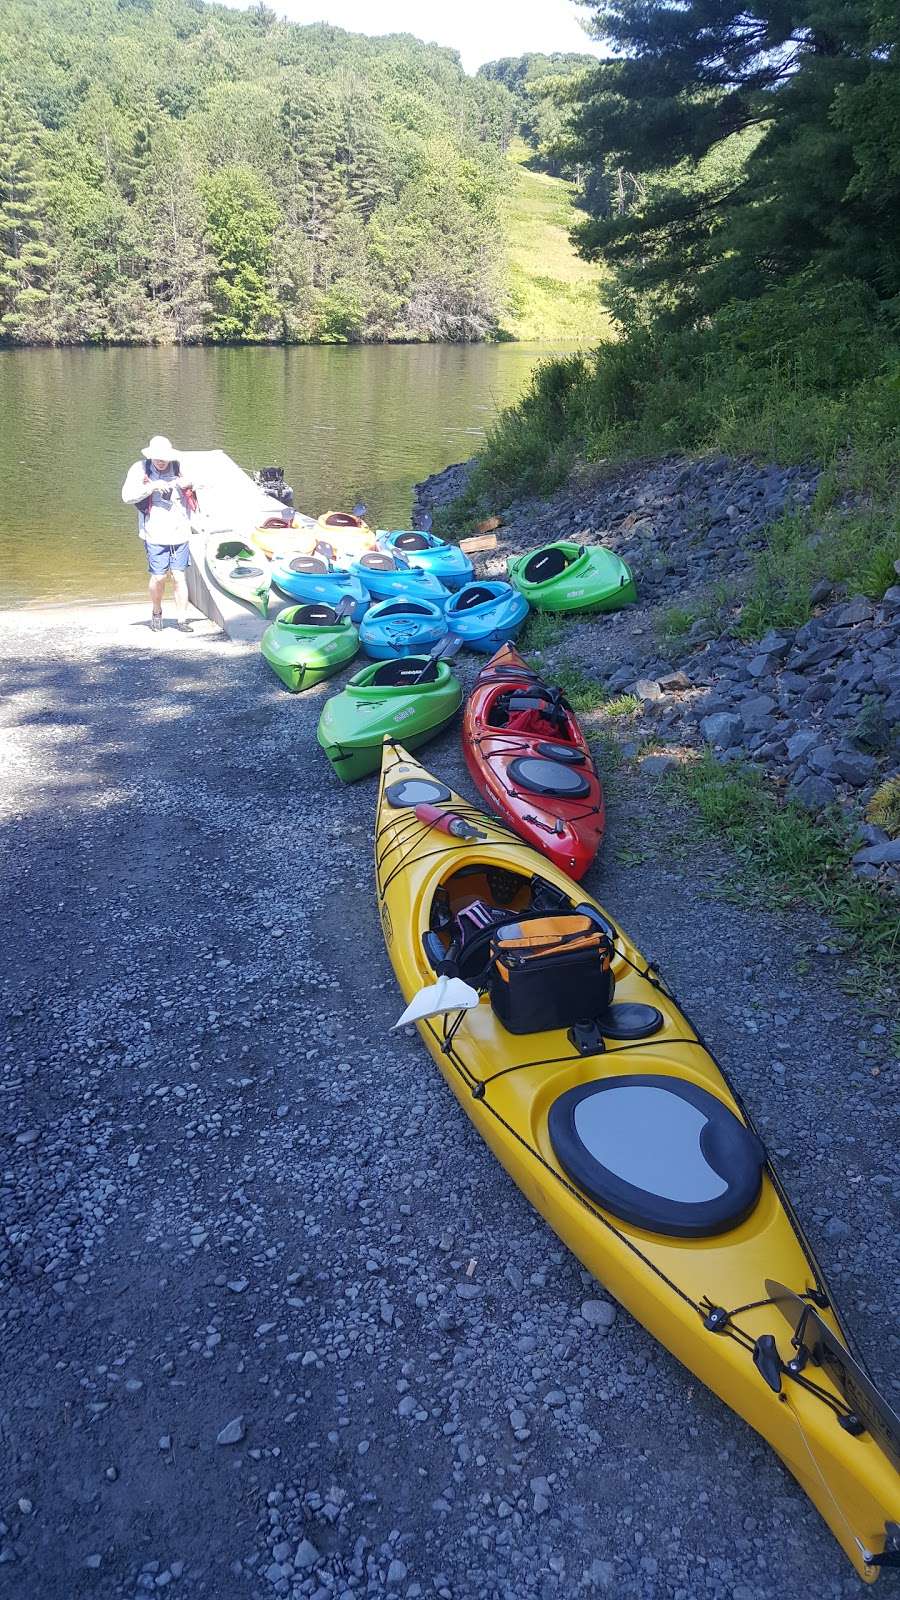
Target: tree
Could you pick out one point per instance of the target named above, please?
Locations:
(168, 220)
(25, 254)
(735, 121)
(241, 218)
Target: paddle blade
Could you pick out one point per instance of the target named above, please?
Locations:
(436, 999)
(446, 647)
(345, 607)
(360, 509)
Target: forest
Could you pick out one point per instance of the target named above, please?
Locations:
(177, 172)
(743, 190)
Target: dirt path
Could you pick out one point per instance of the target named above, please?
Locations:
(235, 1208)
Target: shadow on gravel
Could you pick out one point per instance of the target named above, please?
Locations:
(233, 1205)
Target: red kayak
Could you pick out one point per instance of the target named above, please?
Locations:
(529, 758)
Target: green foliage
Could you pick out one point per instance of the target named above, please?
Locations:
(538, 86)
(788, 855)
(767, 142)
(25, 255)
(622, 705)
(173, 171)
(241, 218)
(553, 294)
(541, 631)
(858, 549)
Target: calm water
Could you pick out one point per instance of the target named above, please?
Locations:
(345, 423)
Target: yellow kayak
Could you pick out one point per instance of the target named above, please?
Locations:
(348, 536)
(279, 541)
(622, 1130)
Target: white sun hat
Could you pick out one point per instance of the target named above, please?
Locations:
(160, 449)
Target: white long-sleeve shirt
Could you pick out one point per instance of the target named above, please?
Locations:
(163, 517)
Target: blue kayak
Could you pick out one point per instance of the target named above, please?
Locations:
(312, 578)
(390, 577)
(426, 551)
(486, 615)
(401, 628)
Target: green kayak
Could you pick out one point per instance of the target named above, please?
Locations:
(308, 643)
(412, 698)
(240, 570)
(573, 577)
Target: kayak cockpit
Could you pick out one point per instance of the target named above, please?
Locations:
(551, 562)
(414, 540)
(475, 594)
(404, 672)
(656, 1150)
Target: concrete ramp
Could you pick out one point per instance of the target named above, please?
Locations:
(228, 502)
(238, 621)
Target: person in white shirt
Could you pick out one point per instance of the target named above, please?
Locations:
(165, 501)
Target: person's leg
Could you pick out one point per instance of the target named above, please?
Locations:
(158, 564)
(179, 580)
(179, 561)
(157, 586)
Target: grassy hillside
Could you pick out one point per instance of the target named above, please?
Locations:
(553, 294)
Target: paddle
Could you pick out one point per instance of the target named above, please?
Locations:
(422, 521)
(436, 999)
(345, 607)
(360, 509)
(446, 648)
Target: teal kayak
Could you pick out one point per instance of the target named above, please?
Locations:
(573, 577)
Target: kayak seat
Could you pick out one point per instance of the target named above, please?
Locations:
(553, 778)
(310, 564)
(377, 561)
(658, 1152)
(474, 594)
(315, 617)
(412, 541)
(233, 550)
(342, 519)
(405, 670)
(545, 564)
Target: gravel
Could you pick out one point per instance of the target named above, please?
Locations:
(240, 1366)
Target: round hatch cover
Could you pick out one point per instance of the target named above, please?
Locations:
(415, 791)
(561, 752)
(659, 1152)
(541, 776)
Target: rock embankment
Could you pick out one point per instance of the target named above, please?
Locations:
(817, 706)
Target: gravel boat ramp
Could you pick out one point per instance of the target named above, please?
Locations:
(272, 1319)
